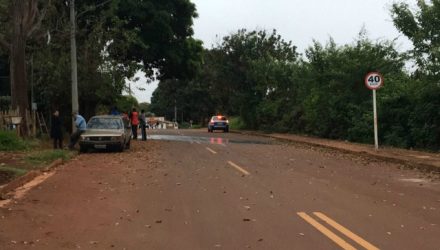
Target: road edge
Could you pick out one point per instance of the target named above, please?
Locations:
(28, 177)
(412, 164)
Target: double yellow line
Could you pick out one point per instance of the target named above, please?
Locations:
(332, 236)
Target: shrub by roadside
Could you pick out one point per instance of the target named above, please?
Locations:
(9, 141)
(236, 123)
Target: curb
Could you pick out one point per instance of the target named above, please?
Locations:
(20, 181)
(408, 163)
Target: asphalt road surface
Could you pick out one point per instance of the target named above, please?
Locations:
(186, 189)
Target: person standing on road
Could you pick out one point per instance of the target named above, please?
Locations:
(134, 118)
(81, 127)
(55, 130)
(143, 125)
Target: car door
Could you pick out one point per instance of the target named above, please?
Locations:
(127, 131)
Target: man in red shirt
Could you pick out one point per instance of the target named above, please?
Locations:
(134, 119)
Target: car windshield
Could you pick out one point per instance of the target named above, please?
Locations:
(104, 123)
(219, 118)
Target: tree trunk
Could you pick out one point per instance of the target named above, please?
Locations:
(19, 86)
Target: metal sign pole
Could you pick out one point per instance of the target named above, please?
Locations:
(376, 137)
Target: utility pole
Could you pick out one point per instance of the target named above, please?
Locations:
(175, 110)
(73, 59)
(33, 104)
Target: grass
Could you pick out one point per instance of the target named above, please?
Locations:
(48, 156)
(16, 172)
(9, 141)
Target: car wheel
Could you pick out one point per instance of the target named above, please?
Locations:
(226, 130)
(121, 147)
(127, 146)
(82, 149)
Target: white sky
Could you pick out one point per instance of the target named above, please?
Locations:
(299, 21)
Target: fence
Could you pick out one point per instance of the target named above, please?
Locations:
(12, 120)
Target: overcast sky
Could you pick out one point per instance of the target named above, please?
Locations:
(298, 21)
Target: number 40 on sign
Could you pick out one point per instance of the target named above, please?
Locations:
(374, 80)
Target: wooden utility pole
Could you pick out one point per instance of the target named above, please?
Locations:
(73, 59)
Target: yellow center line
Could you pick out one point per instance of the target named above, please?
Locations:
(345, 231)
(336, 239)
(210, 150)
(239, 168)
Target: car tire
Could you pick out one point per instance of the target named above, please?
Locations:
(83, 149)
(121, 147)
(127, 146)
(226, 130)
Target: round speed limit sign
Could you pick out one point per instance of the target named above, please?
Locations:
(374, 80)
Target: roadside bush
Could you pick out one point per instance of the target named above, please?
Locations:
(9, 141)
(184, 125)
(236, 123)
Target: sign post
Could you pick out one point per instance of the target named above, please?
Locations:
(374, 81)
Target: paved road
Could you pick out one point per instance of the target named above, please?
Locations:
(193, 190)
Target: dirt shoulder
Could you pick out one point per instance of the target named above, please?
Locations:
(90, 194)
(422, 160)
(14, 165)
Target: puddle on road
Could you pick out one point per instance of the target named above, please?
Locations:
(205, 140)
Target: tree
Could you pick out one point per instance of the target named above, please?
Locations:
(242, 52)
(126, 103)
(422, 27)
(157, 35)
(25, 18)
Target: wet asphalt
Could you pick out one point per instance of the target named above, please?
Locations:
(190, 189)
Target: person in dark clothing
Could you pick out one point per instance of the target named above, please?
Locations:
(56, 130)
(143, 125)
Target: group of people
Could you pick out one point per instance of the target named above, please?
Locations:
(56, 131)
(137, 121)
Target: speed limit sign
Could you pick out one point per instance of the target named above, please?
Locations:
(374, 80)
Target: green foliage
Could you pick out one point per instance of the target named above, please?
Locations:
(144, 106)
(197, 126)
(422, 27)
(126, 103)
(184, 125)
(156, 34)
(9, 141)
(114, 40)
(48, 156)
(5, 102)
(15, 172)
(236, 123)
(261, 83)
